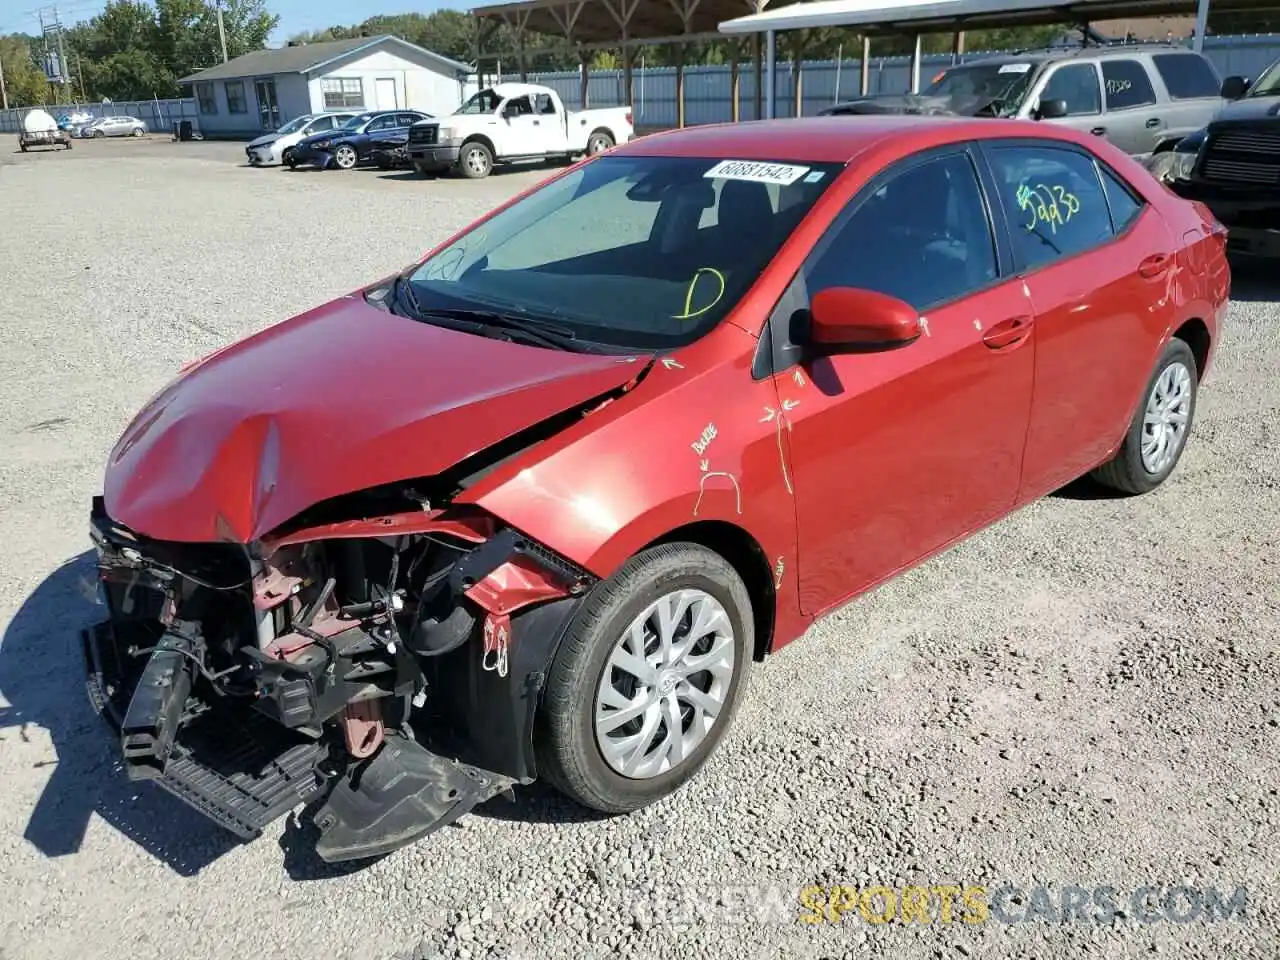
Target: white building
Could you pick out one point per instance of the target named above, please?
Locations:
(267, 88)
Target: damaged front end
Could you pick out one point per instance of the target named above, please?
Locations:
(384, 669)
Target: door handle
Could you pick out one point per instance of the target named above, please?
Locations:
(1098, 131)
(1154, 266)
(1007, 333)
(1153, 122)
(536, 122)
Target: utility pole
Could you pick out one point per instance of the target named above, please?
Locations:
(4, 94)
(222, 33)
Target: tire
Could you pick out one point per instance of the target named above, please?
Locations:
(136, 132)
(23, 148)
(599, 141)
(569, 743)
(99, 134)
(475, 160)
(1170, 400)
(345, 157)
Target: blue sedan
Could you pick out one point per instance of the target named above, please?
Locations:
(355, 142)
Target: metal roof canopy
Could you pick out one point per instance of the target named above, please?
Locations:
(623, 25)
(918, 17)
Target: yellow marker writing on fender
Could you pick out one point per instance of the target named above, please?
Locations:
(689, 312)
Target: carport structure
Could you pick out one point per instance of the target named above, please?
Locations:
(917, 17)
(624, 25)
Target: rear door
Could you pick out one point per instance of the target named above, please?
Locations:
(1133, 119)
(1097, 262)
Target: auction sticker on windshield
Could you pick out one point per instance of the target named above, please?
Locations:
(758, 171)
(1014, 68)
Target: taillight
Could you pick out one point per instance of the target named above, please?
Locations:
(629, 123)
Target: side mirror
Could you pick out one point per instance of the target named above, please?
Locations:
(851, 320)
(1234, 87)
(1051, 109)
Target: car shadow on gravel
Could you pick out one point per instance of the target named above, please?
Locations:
(42, 677)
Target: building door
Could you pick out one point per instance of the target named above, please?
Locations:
(268, 106)
(385, 93)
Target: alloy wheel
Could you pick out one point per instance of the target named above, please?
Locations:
(664, 684)
(345, 157)
(1164, 424)
(476, 161)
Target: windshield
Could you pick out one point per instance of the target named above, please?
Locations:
(1007, 82)
(486, 101)
(294, 125)
(1267, 85)
(636, 252)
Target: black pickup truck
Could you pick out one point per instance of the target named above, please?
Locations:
(1232, 165)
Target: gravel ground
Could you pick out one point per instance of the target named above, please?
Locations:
(1082, 696)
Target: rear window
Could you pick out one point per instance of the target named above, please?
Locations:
(1187, 76)
(1126, 84)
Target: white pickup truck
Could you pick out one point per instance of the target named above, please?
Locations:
(511, 123)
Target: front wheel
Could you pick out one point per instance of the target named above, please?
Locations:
(475, 161)
(98, 134)
(137, 131)
(647, 680)
(344, 158)
(1159, 430)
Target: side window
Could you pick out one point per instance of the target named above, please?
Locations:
(407, 119)
(382, 123)
(1127, 84)
(542, 103)
(519, 106)
(1187, 75)
(922, 236)
(1054, 203)
(1125, 205)
(1077, 84)
(321, 124)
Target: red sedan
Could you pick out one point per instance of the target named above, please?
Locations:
(534, 506)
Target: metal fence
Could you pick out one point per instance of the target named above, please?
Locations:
(158, 115)
(708, 89)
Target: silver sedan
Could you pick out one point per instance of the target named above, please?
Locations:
(114, 127)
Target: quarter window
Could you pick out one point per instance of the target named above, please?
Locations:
(1077, 85)
(1127, 84)
(1123, 203)
(342, 93)
(1187, 75)
(923, 237)
(1053, 200)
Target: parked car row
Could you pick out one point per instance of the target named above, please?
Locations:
(503, 124)
(98, 127)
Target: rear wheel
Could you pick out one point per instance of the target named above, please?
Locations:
(647, 680)
(137, 131)
(1160, 428)
(99, 133)
(475, 160)
(344, 158)
(598, 142)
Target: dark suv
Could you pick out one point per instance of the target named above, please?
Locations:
(1232, 165)
(1143, 97)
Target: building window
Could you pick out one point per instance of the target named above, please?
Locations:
(235, 97)
(342, 93)
(208, 102)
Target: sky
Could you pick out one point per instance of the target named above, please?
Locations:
(295, 15)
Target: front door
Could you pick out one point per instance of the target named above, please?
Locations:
(1133, 121)
(897, 453)
(384, 89)
(268, 107)
(1098, 305)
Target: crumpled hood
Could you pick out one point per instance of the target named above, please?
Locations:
(265, 140)
(336, 400)
(914, 103)
(1250, 108)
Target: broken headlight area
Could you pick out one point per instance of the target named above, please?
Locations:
(385, 670)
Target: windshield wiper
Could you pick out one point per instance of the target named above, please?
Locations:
(538, 331)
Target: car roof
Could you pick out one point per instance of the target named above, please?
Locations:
(833, 139)
(1054, 54)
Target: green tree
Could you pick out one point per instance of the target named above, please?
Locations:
(24, 81)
